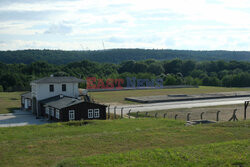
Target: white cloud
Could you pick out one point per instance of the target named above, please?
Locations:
(59, 28)
(179, 24)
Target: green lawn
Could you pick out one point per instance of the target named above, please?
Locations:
(118, 96)
(9, 101)
(218, 154)
(134, 142)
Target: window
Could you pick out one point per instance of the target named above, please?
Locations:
(57, 114)
(90, 113)
(71, 114)
(96, 113)
(47, 110)
(64, 87)
(52, 112)
(51, 88)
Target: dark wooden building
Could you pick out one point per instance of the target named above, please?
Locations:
(63, 108)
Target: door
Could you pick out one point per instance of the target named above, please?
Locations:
(26, 103)
(71, 114)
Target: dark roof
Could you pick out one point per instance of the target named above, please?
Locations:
(27, 95)
(63, 102)
(44, 101)
(58, 80)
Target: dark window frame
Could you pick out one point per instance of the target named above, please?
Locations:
(64, 88)
(51, 88)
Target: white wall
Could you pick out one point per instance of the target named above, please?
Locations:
(41, 91)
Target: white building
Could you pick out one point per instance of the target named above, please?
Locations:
(48, 87)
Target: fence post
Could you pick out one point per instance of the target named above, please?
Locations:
(115, 112)
(129, 113)
(109, 112)
(188, 117)
(202, 115)
(217, 116)
(165, 115)
(234, 116)
(122, 112)
(137, 113)
(245, 109)
(146, 114)
(175, 117)
(156, 115)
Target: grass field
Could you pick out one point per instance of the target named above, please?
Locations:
(200, 155)
(134, 142)
(118, 96)
(9, 101)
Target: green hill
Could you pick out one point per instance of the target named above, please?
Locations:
(117, 55)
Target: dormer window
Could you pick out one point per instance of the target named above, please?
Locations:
(51, 88)
(64, 87)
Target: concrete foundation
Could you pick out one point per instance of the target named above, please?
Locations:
(183, 97)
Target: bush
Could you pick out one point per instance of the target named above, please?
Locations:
(170, 80)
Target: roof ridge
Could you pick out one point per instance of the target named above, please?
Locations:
(58, 79)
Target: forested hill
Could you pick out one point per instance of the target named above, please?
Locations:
(117, 55)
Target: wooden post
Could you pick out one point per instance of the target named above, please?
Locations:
(156, 115)
(137, 114)
(122, 112)
(109, 112)
(217, 116)
(188, 117)
(175, 117)
(245, 109)
(202, 115)
(115, 112)
(129, 113)
(165, 115)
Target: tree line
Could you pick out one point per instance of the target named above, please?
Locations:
(16, 77)
(117, 55)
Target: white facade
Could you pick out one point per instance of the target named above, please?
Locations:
(42, 90)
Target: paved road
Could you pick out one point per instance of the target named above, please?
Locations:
(180, 104)
(20, 118)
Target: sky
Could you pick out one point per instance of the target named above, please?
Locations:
(107, 24)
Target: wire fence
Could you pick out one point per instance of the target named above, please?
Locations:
(211, 114)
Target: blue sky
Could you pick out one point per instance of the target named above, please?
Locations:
(86, 24)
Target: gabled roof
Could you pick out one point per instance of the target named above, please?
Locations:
(60, 103)
(27, 95)
(58, 80)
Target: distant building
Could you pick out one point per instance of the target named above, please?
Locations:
(58, 99)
